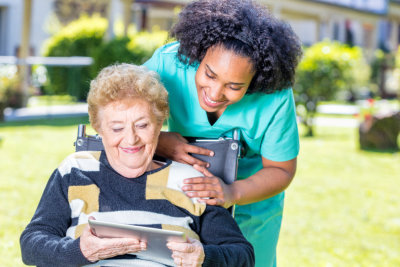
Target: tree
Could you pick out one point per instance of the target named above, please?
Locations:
(79, 38)
(326, 69)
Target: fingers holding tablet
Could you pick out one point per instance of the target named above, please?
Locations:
(95, 248)
(152, 241)
(189, 253)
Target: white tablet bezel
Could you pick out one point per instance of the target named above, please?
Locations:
(155, 238)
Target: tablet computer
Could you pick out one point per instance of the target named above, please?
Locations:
(224, 163)
(156, 238)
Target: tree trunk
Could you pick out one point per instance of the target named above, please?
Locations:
(2, 107)
(308, 123)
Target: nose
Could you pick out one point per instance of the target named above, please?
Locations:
(131, 137)
(216, 92)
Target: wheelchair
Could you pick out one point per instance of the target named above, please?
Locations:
(223, 164)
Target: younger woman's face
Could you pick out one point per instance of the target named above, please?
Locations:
(222, 79)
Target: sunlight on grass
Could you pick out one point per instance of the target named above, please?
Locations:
(28, 155)
(51, 100)
(342, 208)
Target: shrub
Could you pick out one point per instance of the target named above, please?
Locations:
(11, 94)
(84, 37)
(135, 49)
(397, 58)
(326, 69)
(382, 64)
(79, 38)
(144, 44)
(397, 71)
(111, 52)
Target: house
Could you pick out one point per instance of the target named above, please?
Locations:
(367, 23)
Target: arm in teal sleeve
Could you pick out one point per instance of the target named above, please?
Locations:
(281, 140)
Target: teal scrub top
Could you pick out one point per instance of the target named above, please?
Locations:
(267, 125)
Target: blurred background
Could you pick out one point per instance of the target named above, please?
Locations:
(342, 208)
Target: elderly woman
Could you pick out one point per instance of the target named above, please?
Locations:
(123, 184)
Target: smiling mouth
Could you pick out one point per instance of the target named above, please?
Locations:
(131, 150)
(211, 103)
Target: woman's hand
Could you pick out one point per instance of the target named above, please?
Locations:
(190, 253)
(95, 248)
(173, 146)
(209, 189)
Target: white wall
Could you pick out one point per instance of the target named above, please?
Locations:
(13, 21)
(306, 30)
(41, 11)
(13, 11)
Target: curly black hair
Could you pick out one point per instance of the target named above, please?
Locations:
(246, 28)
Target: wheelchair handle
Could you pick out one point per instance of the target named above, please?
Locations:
(81, 130)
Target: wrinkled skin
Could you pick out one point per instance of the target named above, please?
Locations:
(188, 254)
(95, 248)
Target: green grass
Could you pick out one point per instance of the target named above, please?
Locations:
(342, 208)
(29, 152)
(51, 100)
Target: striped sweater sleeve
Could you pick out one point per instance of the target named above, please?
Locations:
(43, 242)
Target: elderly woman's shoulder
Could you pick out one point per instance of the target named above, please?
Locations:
(177, 172)
(169, 177)
(84, 160)
(183, 171)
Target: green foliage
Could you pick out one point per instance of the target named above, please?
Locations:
(84, 37)
(397, 58)
(11, 94)
(396, 71)
(111, 52)
(326, 69)
(79, 38)
(7, 80)
(380, 63)
(145, 43)
(376, 65)
(135, 49)
(73, 39)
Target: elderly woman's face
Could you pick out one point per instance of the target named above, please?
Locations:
(129, 130)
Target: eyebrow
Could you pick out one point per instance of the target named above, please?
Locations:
(208, 67)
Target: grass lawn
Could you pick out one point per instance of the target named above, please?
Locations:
(342, 209)
(29, 152)
(50, 100)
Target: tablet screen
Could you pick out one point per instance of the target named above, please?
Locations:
(156, 238)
